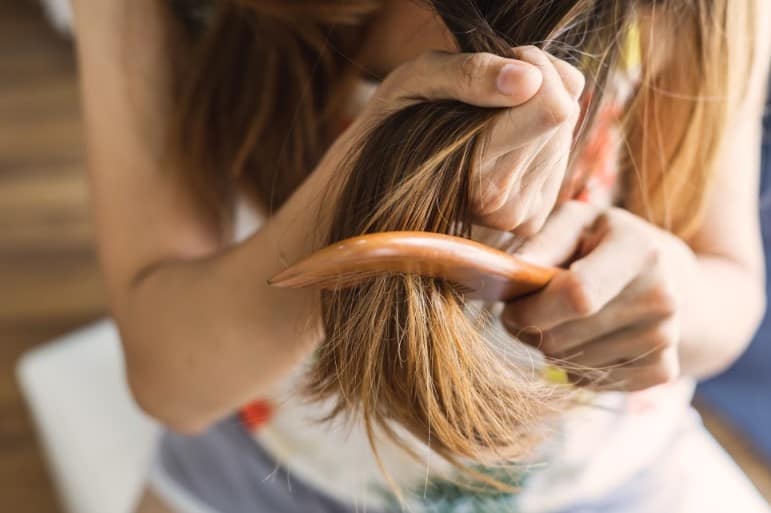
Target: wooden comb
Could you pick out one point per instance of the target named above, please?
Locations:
(481, 271)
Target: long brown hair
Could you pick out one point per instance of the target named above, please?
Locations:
(259, 86)
(256, 111)
(407, 349)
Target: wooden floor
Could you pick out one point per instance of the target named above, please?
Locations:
(49, 283)
(48, 278)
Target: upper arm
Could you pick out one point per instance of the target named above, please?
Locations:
(143, 215)
(730, 227)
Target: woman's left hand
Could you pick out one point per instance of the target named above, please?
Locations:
(616, 306)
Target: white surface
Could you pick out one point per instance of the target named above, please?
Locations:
(712, 482)
(60, 13)
(99, 444)
(97, 441)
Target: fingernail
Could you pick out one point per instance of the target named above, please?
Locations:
(510, 77)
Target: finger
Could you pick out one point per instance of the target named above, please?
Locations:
(588, 285)
(657, 368)
(627, 347)
(551, 107)
(644, 301)
(591, 282)
(551, 163)
(549, 193)
(503, 182)
(550, 166)
(481, 79)
(535, 157)
(616, 256)
(572, 78)
(560, 301)
(561, 236)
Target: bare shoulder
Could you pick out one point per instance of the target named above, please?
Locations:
(126, 63)
(763, 15)
(141, 29)
(750, 105)
(112, 11)
(113, 23)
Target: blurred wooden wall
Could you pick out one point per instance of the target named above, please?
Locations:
(49, 282)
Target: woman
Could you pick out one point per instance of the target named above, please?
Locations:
(670, 289)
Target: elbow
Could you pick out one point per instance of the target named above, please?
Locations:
(755, 308)
(156, 397)
(757, 312)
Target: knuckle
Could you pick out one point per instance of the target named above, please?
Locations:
(623, 217)
(660, 338)
(391, 84)
(575, 81)
(547, 344)
(533, 54)
(656, 376)
(514, 218)
(425, 59)
(493, 197)
(494, 210)
(423, 64)
(471, 67)
(559, 110)
(615, 216)
(507, 222)
(663, 372)
(578, 296)
(574, 207)
(513, 319)
(576, 112)
(578, 80)
(529, 227)
(651, 253)
(604, 222)
(663, 300)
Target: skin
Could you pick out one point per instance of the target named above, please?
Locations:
(642, 303)
(204, 334)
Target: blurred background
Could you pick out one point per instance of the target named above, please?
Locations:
(48, 276)
(50, 282)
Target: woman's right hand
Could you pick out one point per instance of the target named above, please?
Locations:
(524, 163)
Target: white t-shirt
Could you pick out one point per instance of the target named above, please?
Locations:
(593, 449)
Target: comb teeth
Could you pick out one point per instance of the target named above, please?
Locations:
(347, 279)
(338, 280)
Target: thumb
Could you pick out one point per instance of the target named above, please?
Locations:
(561, 236)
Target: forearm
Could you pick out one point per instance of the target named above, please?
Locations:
(721, 310)
(729, 298)
(203, 337)
(201, 330)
